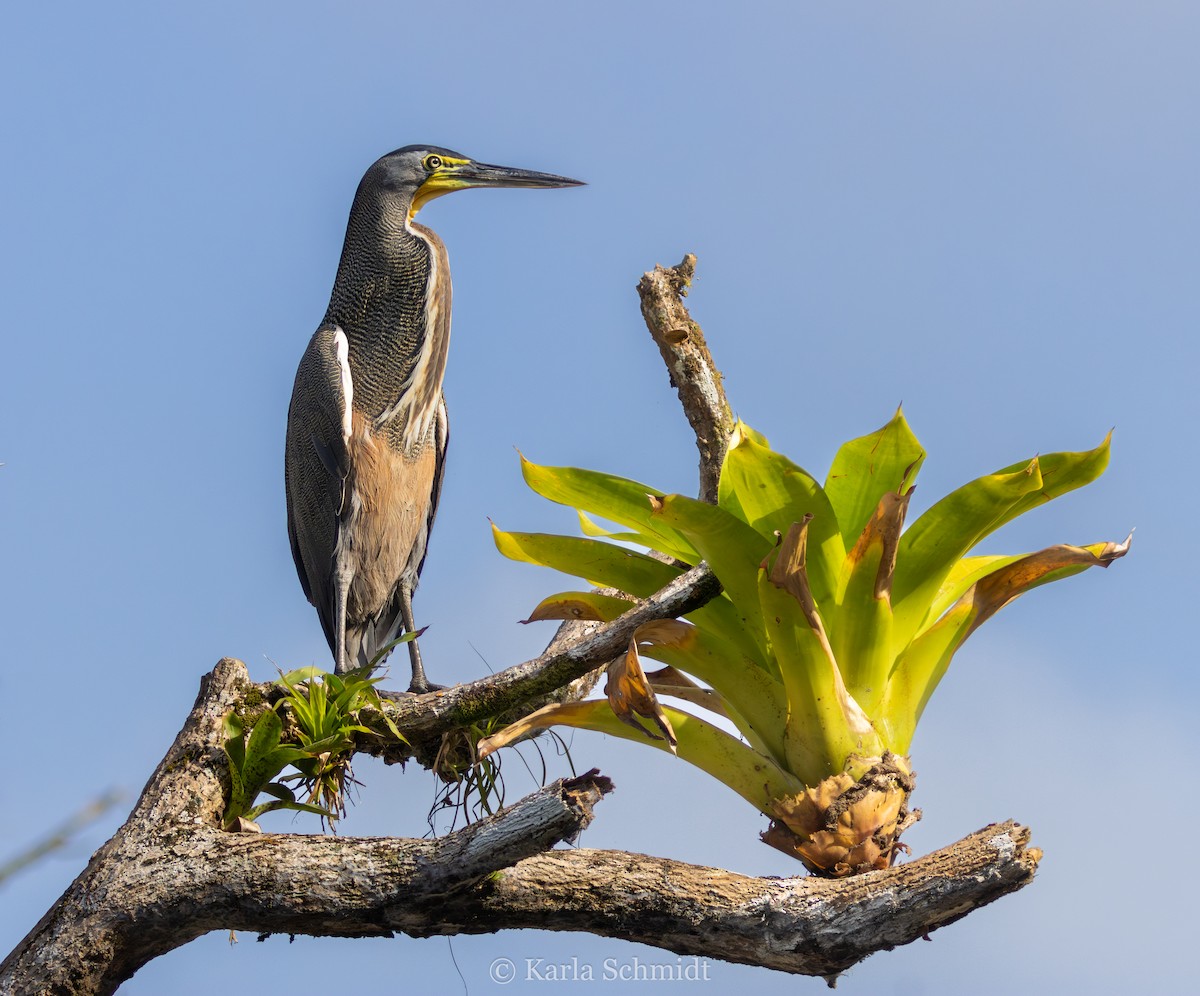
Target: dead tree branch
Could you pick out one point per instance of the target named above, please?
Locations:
(693, 373)
(170, 874)
(806, 926)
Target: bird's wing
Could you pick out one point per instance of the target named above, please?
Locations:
(441, 441)
(316, 464)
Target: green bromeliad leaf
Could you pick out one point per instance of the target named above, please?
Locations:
(754, 698)
(815, 732)
(962, 575)
(601, 563)
(730, 547)
(609, 566)
(254, 762)
(769, 492)
(614, 498)
(589, 606)
(861, 623)
(1061, 472)
(754, 777)
(865, 469)
(825, 722)
(924, 662)
(744, 683)
(589, 527)
(932, 546)
(285, 798)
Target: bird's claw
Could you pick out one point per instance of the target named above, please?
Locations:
(423, 686)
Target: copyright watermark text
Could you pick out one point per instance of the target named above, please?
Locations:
(504, 970)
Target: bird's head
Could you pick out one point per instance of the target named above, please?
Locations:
(416, 174)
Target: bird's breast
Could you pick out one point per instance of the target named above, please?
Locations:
(389, 494)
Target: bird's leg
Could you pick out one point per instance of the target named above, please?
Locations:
(419, 682)
(341, 588)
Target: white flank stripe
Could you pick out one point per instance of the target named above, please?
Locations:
(342, 349)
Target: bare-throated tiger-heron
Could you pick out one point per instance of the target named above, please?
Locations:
(367, 427)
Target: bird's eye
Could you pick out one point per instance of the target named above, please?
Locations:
(432, 162)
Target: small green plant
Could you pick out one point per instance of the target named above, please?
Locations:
(833, 630)
(325, 709)
(253, 765)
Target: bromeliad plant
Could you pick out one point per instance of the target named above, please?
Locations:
(833, 630)
(324, 713)
(255, 761)
(326, 708)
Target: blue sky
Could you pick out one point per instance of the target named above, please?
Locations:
(988, 211)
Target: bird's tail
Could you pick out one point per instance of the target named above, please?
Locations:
(369, 641)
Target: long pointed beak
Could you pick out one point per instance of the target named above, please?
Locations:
(485, 175)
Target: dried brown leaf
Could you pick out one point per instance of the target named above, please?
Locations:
(630, 695)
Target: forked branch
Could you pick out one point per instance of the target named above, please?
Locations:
(170, 874)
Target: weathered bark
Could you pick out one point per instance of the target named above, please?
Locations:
(170, 874)
(807, 926)
(694, 375)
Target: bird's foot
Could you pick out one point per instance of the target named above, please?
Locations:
(423, 685)
(420, 684)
